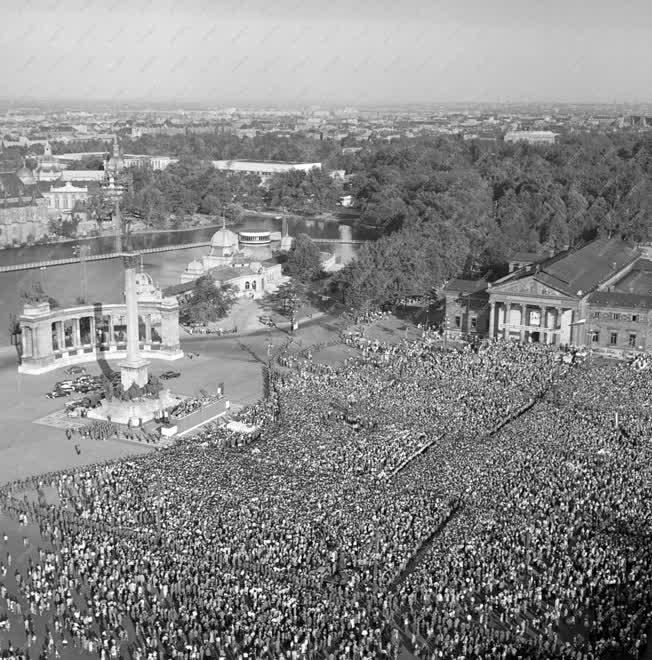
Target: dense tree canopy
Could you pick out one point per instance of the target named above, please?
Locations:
(208, 303)
(304, 259)
(447, 207)
(195, 186)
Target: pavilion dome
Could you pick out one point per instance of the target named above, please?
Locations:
(195, 267)
(224, 238)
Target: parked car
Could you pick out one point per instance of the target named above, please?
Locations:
(166, 375)
(56, 393)
(74, 370)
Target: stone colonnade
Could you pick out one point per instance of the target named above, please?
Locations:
(544, 319)
(53, 338)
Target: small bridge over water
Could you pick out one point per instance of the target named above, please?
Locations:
(165, 248)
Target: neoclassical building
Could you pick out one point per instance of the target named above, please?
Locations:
(52, 338)
(599, 295)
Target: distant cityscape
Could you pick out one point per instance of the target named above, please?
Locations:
(31, 125)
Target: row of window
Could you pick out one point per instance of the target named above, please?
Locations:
(617, 316)
(613, 338)
(474, 322)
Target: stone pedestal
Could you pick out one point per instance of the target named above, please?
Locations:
(133, 412)
(133, 371)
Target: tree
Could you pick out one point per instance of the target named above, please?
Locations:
(208, 302)
(304, 259)
(288, 299)
(65, 227)
(100, 207)
(210, 205)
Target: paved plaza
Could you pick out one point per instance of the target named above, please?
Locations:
(32, 436)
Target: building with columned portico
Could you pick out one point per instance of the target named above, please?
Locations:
(56, 337)
(598, 295)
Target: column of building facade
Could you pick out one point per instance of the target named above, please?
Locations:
(523, 320)
(148, 329)
(492, 310)
(61, 336)
(508, 310)
(170, 324)
(76, 335)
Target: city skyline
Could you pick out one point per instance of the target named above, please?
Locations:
(301, 53)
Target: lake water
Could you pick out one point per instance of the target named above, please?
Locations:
(105, 279)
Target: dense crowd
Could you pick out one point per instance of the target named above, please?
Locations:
(476, 503)
(102, 430)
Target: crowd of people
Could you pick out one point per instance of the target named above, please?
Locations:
(487, 502)
(102, 430)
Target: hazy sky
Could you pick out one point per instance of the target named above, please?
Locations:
(328, 51)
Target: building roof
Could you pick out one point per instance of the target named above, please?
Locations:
(11, 185)
(620, 299)
(529, 257)
(226, 273)
(466, 286)
(578, 272)
(178, 289)
(584, 269)
(13, 189)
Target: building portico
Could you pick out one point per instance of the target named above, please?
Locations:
(546, 322)
(597, 295)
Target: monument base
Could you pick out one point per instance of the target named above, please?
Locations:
(133, 371)
(136, 412)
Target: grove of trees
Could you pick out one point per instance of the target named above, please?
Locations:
(195, 186)
(446, 207)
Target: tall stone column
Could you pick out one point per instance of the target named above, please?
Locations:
(134, 368)
(492, 311)
(523, 321)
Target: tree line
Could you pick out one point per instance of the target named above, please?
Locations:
(195, 186)
(449, 207)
